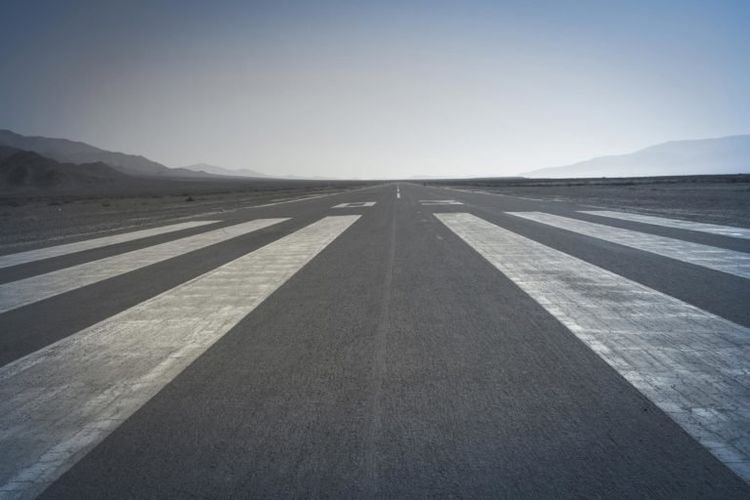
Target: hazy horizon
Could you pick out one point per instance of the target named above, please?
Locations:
(392, 90)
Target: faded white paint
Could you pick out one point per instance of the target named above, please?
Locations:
(718, 259)
(440, 202)
(690, 363)
(731, 231)
(15, 259)
(29, 290)
(282, 202)
(58, 403)
(356, 204)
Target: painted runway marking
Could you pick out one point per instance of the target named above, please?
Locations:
(15, 259)
(282, 202)
(398, 192)
(734, 232)
(718, 259)
(58, 403)
(440, 202)
(356, 204)
(29, 290)
(690, 363)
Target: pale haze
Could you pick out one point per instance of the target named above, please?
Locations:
(376, 90)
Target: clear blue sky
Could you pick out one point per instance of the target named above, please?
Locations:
(376, 89)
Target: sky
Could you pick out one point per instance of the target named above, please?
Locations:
(366, 89)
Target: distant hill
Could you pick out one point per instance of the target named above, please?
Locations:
(29, 171)
(725, 155)
(246, 173)
(214, 170)
(63, 150)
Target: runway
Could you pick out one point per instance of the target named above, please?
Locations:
(397, 341)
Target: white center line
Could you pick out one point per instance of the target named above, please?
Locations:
(15, 259)
(719, 259)
(731, 231)
(29, 290)
(58, 403)
(690, 363)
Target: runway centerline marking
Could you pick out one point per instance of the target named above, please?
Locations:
(23, 292)
(59, 402)
(355, 204)
(718, 259)
(730, 231)
(15, 259)
(689, 362)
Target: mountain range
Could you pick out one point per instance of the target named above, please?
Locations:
(724, 155)
(28, 171)
(67, 151)
(228, 172)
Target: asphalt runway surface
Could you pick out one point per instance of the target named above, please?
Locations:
(396, 341)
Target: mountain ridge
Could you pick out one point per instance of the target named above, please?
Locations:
(29, 171)
(227, 172)
(77, 152)
(713, 156)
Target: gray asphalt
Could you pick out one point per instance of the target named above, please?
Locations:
(397, 364)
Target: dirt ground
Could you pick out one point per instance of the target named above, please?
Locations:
(52, 218)
(713, 199)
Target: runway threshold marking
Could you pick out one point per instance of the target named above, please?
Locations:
(689, 362)
(440, 202)
(718, 259)
(15, 259)
(731, 231)
(355, 204)
(59, 402)
(291, 200)
(23, 292)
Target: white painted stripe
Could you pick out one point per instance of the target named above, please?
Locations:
(355, 204)
(398, 192)
(440, 202)
(304, 198)
(29, 290)
(79, 246)
(690, 363)
(58, 403)
(731, 231)
(282, 202)
(719, 259)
